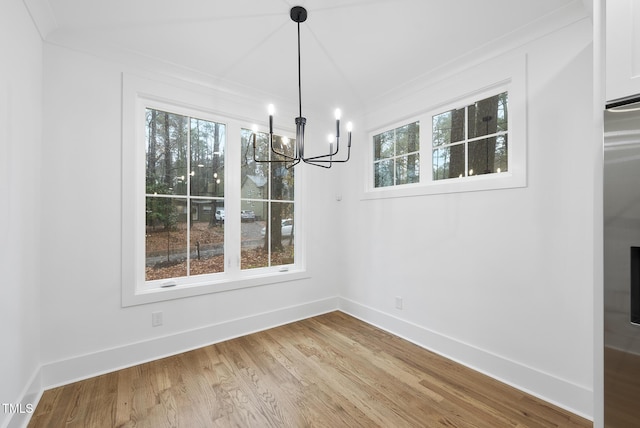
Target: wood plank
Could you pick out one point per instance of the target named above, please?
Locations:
(621, 388)
(327, 371)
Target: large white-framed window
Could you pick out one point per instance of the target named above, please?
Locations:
(187, 223)
(472, 138)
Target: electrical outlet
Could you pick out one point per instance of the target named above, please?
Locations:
(156, 319)
(398, 302)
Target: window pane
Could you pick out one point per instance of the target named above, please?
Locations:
(166, 153)
(408, 139)
(501, 162)
(282, 180)
(383, 145)
(503, 112)
(488, 155)
(449, 162)
(207, 158)
(408, 169)
(207, 239)
(262, 184)
(166, 238)
(262, 151)
(253, 251)
(264, 243)
(383, 173)
(488, 116)
(282, 145)
(448, 127)
(281, 233)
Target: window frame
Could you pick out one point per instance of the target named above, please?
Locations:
(461, 91)
(140, 93)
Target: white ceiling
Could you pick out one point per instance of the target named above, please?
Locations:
(353, 51)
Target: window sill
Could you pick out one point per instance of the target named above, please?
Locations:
(245, 280)
(504, 180)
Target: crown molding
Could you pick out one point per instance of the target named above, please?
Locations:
(42, 16)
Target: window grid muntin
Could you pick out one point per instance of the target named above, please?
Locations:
(187, 196)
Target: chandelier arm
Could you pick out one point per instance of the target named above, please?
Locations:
(284, 155)
(288, 158)
(294, 163)
(314, 163)
(322, 159)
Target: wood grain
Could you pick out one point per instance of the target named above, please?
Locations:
(621, 389)
(328, 371)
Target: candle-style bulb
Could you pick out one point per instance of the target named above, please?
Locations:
(349, 126)
(271, 109)
(338, 114)
(254, 128)
(331, 138)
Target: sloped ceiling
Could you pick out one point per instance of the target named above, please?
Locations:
(353, 51)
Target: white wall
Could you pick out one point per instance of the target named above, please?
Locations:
(20, 204)
(86, 329)
(500, 280)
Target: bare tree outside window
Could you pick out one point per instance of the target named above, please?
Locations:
(472, 140)
(396, 157)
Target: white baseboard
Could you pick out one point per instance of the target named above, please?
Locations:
(28, 402)
(574, 398)
(85, 366)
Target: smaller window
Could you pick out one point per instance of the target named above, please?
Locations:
(471, 140)
(396, 158)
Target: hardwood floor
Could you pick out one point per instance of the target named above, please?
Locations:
(328, 371)
(621, 389)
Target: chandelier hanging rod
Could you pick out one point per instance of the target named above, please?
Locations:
(299, 14)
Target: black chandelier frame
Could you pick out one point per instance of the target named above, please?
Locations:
(299, 14)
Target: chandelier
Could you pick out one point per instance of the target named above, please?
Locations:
(298, 15)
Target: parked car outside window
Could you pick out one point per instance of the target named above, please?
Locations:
(247, 215)
(286, 228)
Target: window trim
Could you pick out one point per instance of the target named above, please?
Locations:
(470, 87)
(139, 93)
